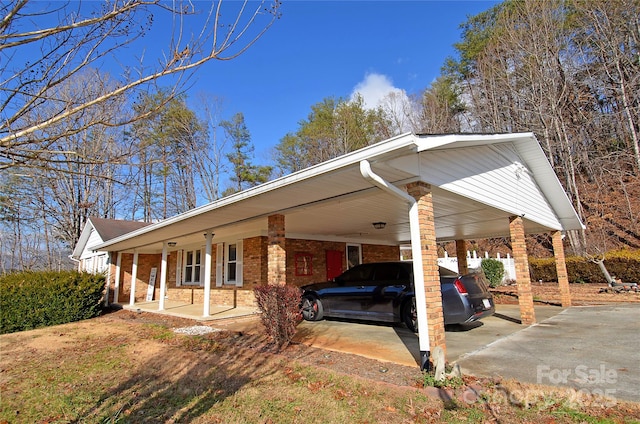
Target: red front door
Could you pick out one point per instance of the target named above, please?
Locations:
(334, 263)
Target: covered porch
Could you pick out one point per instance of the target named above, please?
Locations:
(194, 311)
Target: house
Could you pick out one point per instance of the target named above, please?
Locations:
(360, 207)
(97, 231)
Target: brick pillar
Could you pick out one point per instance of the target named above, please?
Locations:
(523, 280)
(433, 295)
(461, 254)
(276, 252)
(561, 269)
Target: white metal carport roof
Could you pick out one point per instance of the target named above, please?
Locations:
(478, 182)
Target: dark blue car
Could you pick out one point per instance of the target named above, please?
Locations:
(383, 291)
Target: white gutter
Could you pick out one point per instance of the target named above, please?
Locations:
(416, 252)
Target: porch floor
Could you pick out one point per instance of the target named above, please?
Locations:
(194, 311)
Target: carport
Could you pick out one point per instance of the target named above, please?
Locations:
(416, 189)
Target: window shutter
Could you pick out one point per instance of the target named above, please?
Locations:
(219, 263)
(239, 263)
(179, 271)
(201, 267)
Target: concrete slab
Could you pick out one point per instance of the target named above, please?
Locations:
(194, 311)
(593, 349)
(394, 343)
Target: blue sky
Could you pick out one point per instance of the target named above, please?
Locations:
(316, 50)
(320, 49)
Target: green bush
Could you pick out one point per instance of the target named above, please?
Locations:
(493, 270)
(624, 264)
(31, 300)
(280, 307)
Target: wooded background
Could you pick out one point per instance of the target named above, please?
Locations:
(75, 142)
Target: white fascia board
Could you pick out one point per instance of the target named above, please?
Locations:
(82, 240)
(378, 150)
(466, 140)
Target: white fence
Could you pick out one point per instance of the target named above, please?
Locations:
(473, 261)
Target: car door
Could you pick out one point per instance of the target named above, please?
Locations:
(391, 281)
(352, 293)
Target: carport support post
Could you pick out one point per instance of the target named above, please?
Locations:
(433, 296)
(461, 255)
(561, 269)
(523, 281)
(134, 277)
(276, 252)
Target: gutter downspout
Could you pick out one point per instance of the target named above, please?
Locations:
(416, 252)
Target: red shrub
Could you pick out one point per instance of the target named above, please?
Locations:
(280, 307)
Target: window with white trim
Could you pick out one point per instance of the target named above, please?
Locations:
(354, 255)
(232, 257)
(192, 267)
(233, 263)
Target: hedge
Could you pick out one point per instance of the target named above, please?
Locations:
(31, 300)
(623, 264)
(493, 270)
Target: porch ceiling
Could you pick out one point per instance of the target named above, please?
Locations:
(333, 201)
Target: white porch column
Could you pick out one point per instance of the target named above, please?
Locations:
(116, 284)
(108, 284)
(134, 276)
(163, 277)
(207, 274)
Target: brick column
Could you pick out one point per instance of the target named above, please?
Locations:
(276, 252)
(561, 269)
(523, 280)
(461, 254)
(435, 318)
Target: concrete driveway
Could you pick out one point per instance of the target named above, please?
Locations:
(593, 349)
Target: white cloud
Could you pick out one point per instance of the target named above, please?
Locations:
(378, 90)
(374, 88)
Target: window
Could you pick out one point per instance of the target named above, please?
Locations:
(304, 264)
(192, 267)
(232, 258)
(354, 255)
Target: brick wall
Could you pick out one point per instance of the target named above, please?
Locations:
(145, 263)
(379, 253)
(255, 269)
(254, 261)
(318, 251)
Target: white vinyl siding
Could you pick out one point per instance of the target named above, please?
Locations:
(493, 175)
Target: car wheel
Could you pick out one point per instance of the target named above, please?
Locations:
(410, 315)
(312, 308)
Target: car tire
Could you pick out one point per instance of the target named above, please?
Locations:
(312, 308)
(410, 315)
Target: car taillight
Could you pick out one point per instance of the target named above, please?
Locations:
(460, 287)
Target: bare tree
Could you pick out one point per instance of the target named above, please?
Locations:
(211, 166)
(42, 49)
